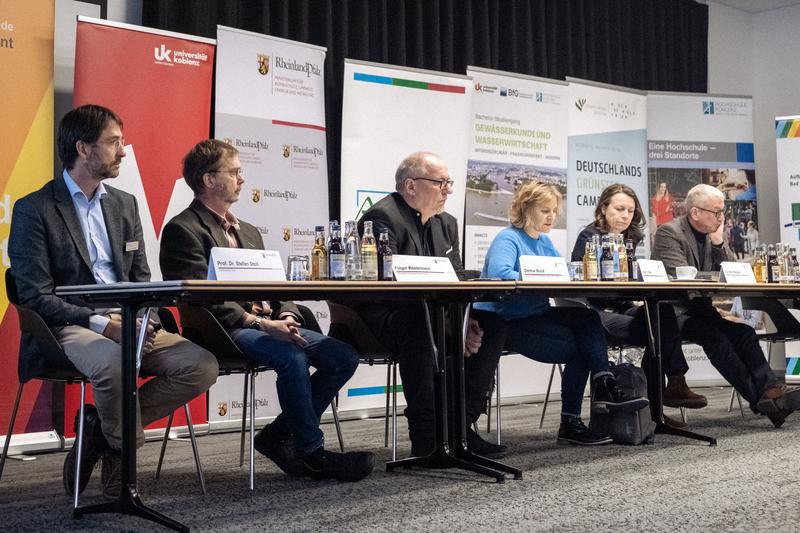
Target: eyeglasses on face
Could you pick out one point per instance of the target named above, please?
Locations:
(443, 184)
(116, 142)
(717, 214)
(234, 173)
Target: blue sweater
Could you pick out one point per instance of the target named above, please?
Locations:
(502, 261)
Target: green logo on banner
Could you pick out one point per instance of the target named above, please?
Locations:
(365, 205)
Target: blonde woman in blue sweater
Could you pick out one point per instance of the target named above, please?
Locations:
(573, 336)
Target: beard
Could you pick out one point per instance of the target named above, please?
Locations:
(103, 170)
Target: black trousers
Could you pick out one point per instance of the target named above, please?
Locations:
(402, 330)
(631, 328)
(731, 347)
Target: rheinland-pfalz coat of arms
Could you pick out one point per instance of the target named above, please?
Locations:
(263, 64)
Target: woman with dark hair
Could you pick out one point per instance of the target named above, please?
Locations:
(619, 211)
(570, 335)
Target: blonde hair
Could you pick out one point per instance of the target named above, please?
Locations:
(530, 194)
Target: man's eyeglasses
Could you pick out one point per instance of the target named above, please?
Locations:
(443, 184)
(717, 214)
(116, 143)
(234, 173)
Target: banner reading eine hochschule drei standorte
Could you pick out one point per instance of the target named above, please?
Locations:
(518, 134)
(270, 104)
(607, 145)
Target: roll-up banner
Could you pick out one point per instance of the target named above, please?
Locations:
(787, 153)
(270, 105)
(26, 163)
(701, 138)
(159, 83)
(518, 134)
(607, 145)
(388, 113)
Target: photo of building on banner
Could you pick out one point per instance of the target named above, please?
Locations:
(518, 135)
(703, 148)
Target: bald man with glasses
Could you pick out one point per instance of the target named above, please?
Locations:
(697, 239)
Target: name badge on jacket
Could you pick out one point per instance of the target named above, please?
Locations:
(131, 246)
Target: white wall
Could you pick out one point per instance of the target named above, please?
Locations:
(757, 54)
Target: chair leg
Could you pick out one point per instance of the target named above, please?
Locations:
(244, 419)
(497, 401)
(79, 444)
(335, 410)
(10, 428)
(388, 395)
(164, 444)
(489, 410)
(684, 416)
(730, 403)
(739, 399)
(252, 429)
(198, 465)
(394, 411)
(547, 395)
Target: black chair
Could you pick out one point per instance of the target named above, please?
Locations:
(59, 370)
(787, 329)
(347, 326)
(202, 328)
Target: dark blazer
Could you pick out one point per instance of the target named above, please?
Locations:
(47, 249)
(395, 215)
(186, 244)
(676, 246)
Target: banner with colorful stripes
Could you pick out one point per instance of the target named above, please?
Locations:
(26, 163)
(787, 155)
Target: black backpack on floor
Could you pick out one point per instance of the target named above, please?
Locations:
(635, 427)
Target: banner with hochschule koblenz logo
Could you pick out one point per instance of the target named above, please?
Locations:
(270, 105)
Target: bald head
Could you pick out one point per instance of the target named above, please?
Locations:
(416, 165)
(423, 181)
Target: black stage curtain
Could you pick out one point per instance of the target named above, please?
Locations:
(644, 44)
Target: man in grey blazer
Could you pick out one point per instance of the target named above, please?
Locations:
(74, 231)
(270, 333)
(696, 239)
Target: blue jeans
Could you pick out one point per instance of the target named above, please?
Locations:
(573, 336)
(303, 396)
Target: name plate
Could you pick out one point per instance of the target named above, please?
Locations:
(733, 272)
(542, 268)
(422, 268)
(653, 271)
(237, 264)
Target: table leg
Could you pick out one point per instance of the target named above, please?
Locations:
(129, 502)
(655, 379)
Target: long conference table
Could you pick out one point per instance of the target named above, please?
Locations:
(443, 304)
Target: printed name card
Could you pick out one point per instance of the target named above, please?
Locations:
(733, 272)
(237, 264)
(422, 268)
(543, 268)
(653, 271)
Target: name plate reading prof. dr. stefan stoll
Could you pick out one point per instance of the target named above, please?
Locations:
(422, 268)
(238, 264)
(733, 272)
(542, 268)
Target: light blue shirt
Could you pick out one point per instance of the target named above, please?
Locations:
(93, 226)
(502, 261)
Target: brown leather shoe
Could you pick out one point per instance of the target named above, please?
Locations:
(674, 423)
(779, 398)
(678, 394)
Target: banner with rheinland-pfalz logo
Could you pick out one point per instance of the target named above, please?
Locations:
(159, 83)
(26, 163)
(270, 105)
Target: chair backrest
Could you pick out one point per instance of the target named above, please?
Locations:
(202, 328)
(56, 366)
(167, 320)
(347, 326)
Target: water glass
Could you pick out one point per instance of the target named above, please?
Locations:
(298, 268)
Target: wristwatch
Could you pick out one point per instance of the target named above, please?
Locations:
(256, 324)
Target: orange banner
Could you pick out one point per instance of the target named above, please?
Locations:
(26, 163)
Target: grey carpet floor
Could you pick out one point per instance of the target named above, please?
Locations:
(750, 481)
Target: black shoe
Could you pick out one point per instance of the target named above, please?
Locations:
(573, 431)
(607, 396)
(478, 445)
(94, 444)
(111, 474)
(779, 417)
(349, 466)
(280, 450)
